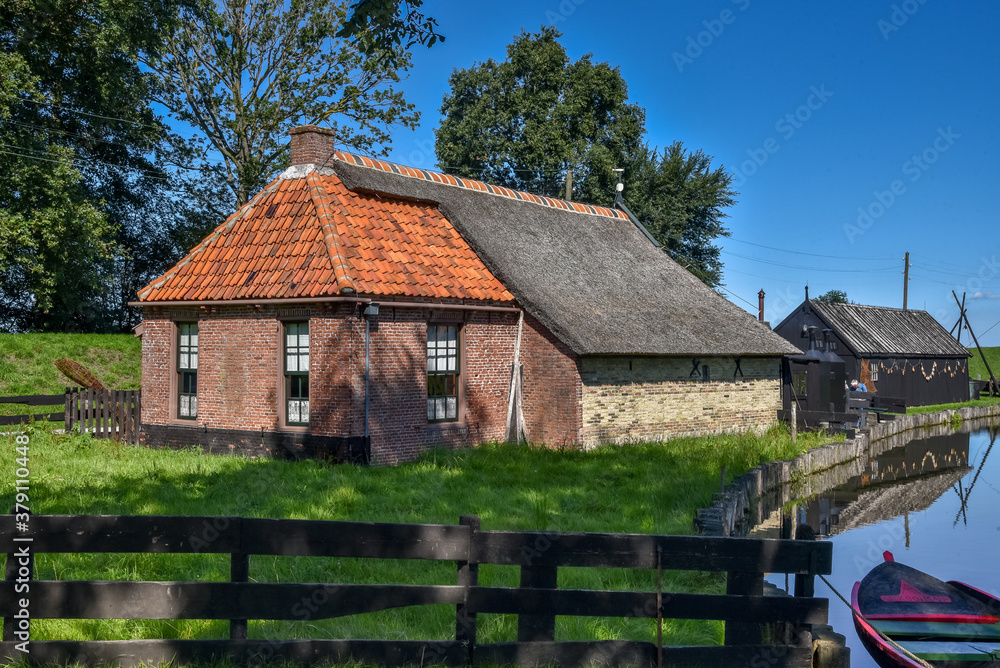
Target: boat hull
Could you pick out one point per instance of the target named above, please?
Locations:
(904, 616)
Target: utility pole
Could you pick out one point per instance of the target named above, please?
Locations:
(906, 277)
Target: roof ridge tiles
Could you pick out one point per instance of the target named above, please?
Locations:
(331, 235)
(471, 184)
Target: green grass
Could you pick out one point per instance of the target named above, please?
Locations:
(26, 364)
(642, 488)
(987, 401)
(976, 366)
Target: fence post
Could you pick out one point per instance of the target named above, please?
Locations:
(468, 576)
(743, 584)
(239, 571)
(537, 627)
(67, 414)
(10, 575)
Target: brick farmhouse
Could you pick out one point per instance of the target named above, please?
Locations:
(362, 310)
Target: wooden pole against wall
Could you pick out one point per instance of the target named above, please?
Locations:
(569, 185)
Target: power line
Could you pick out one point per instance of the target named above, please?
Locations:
(82, 113)
(146, 173)
(832, 257)
(802, 268)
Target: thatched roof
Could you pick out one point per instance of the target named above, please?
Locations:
(595, 281)
(879, 330)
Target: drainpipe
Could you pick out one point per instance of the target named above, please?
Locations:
(368, 311)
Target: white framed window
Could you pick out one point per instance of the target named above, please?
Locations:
(296, 356)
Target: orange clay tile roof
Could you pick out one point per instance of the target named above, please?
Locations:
(312, 237)
(307, 235)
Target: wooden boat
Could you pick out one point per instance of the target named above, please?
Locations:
(908, 619)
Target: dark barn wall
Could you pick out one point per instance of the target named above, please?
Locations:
(924, 380)
(903, 377)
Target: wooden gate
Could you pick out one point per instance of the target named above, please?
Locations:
(105, 413)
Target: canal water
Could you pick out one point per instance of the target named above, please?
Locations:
(933, 502)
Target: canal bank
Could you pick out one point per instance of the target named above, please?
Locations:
(751, 498)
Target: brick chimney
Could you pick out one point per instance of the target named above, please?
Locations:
(760, 305)
(311, 144)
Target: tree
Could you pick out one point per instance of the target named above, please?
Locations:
(390, 24)
(680, 199)
(522, 123)
(834, 297)
(79, 135)
(243, 72)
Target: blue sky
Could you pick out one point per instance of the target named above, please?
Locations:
(857, 131)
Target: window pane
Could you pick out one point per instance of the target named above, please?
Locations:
(292, 362)
(194, 360)
(440, 405)
(304, 362)
(303, 340)
(293, 411)
(430, 409)
(185, 361)
(304, 412)
(452, 408)
(451, 362)
(185, 406)
(185, 340)
(194, 406)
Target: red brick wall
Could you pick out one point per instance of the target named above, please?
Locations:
(156, 369)
(552, 389)
(239, 378)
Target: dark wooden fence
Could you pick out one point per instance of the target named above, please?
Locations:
(34, 400)
(113, 414)
(537, 601)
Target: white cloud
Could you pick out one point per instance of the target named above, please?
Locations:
(985, 294)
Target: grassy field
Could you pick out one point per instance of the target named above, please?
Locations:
(650, 488)
(976, 366)
(26, 364)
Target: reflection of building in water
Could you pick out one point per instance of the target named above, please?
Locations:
(903, 480)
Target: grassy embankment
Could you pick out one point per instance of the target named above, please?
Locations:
(26, 364)
(648, 488)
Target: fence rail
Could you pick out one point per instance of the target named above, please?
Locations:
(34, 400)
(537, 601)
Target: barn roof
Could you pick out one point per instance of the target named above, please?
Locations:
(880, 330)
(588, 274)
(368, 227)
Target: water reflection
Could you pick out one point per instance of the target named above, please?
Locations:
(932, 501)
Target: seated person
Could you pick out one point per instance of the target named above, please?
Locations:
(858, 387)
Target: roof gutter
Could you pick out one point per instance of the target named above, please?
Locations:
(331, 300)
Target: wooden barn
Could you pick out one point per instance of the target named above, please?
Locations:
(894, 352)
